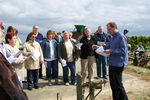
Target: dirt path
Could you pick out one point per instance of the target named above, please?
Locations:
(133, 85)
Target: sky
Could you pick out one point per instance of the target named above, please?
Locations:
(60, 15)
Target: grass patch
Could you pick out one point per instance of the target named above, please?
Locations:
(145, 97)
(140, 72)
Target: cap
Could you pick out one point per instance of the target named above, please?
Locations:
(1, 24)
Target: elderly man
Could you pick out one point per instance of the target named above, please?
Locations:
(39, 39)
(102, 38)
(118, 59)
(87, 55)
(9, 88)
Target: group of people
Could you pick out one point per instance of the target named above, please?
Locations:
(39, 51)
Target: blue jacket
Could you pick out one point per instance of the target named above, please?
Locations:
(102, 37)
(46, 48)
(39, 38)
(119, 50)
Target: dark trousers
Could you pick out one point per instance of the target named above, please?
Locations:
(40, 71)
(71, 66)
(101, 66)
(32, 75)
(52, 69)
(115, 77)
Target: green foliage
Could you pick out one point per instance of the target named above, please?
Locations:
(135, 40)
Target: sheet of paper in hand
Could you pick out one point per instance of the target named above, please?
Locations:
(100, 50)
(63, 62)
(35, 55)
(100, 43)
(78, 45)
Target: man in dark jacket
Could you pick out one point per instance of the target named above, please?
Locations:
(39, 39)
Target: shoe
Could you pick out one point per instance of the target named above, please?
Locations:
(67, 84)
(105, 77)
(57, 83)
(24, 81)
(49, 83)
(97, 77)
(41, 77)
(30, 88)
(36, 86)
(73, 83)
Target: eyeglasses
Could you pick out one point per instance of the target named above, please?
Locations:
(33, 36)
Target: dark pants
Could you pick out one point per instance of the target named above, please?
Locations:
(101, 66)
(115, 77)
(71, 66)
(32, 75)
(52, 69)
(40, 71)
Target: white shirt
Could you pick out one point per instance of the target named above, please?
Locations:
(69, 49)
(51, 51)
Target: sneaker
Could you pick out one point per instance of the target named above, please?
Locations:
(30, 88)
(49, 83)
(67, 84)
(73, 83)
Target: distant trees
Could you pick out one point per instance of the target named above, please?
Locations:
(135, 40)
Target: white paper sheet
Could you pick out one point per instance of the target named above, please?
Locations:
(100, 43)
(78, 45)
(11, 59)
(35, 55)
(63, 62)
(100, 50)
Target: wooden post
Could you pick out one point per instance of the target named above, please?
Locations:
(80, 95)
(57, 96)
(91, 90)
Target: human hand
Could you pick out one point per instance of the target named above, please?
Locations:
(107, 51)
(95, 46)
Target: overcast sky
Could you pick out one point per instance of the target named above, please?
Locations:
(59, 15)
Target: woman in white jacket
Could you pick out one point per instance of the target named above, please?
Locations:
(18, 63)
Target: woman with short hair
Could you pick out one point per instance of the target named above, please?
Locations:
(68, 56)
(12, 50)
(32, 50)
(50, 53)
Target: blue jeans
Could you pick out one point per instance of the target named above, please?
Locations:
(71, 66)
(32, 75)
(52, 69)
(101, 66)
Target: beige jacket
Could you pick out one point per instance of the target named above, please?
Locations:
(30, 48)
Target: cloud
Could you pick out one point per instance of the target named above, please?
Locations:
(63, 15)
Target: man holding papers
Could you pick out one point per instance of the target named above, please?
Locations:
(118, 59)
(102, 39)
(87, 55)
